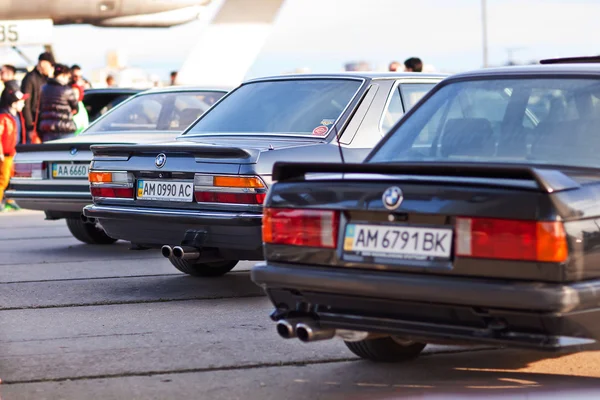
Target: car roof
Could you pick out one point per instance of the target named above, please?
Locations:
(174, 89)
(354, 75)
(112, 90)
(533, 70)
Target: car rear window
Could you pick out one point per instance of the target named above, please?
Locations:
(536, 121)
(297, 107)
(156, 112)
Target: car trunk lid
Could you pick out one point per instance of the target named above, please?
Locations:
(188, 174)
(442, 218)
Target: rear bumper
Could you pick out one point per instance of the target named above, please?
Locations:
(236, 235)
(67, 202)
(431, 308)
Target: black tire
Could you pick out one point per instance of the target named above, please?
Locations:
(386, 349)
(204, 270)
(88, 233)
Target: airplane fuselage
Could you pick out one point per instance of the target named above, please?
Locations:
(103, 12)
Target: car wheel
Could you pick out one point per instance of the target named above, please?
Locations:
(88, 233)
(205, 270)
(387, 349)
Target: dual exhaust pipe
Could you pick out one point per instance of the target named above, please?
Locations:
(306, 331)
(87, 220)
(311, 331)
(179, 252)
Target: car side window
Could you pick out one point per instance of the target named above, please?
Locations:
(393, 112)
(413, 92)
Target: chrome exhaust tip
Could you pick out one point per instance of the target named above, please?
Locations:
(311, 332)
(166, 251)
(286, 328)
(180, 253)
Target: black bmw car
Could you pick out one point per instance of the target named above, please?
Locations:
(475, 220)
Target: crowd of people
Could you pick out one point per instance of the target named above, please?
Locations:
(47, 105)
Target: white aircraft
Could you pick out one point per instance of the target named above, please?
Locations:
(221, 54)
(107, 13)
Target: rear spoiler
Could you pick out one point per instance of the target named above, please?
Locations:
(572, 60)
(199, 151)
(548, 180)
(28, 148)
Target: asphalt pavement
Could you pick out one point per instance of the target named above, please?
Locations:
(105, 322)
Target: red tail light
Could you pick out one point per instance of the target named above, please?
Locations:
(111, 184)
(119, 193)
(511, 239)
(30, 170)
(311, 228)
(236, 189)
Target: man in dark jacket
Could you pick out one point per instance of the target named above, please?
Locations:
(58, 104)
(32, 85)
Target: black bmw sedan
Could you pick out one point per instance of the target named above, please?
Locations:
(475, 220)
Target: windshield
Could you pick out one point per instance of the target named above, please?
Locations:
(537, 121)
(300, 107)
(157, 112)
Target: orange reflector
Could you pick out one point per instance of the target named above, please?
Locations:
(105, 177)
(238, 182)
(551, 242)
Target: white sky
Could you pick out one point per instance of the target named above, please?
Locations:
(324, 34)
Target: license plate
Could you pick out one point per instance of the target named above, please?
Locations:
(165, 190)
(70, 170)
(406, 242)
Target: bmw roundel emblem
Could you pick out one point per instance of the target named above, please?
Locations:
(160, 161)
(73, 151)
(392, 197)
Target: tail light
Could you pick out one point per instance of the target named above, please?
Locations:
(312, 228)
(229, 189)
(511, 239)
(30, 170)
(111, 184)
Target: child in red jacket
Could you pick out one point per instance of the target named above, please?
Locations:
(12, 132)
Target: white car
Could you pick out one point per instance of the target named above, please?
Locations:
(53, 177)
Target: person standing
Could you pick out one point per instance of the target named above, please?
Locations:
(58, 104)
(413, 64)
(11, 133)
(78, 79)
(81, 118)
(7, 74)
(110, 81)
(394, 66)
(173, 78)
(32, 86)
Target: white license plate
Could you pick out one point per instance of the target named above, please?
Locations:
(70, 170)
(165, 190)
(397, 241)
